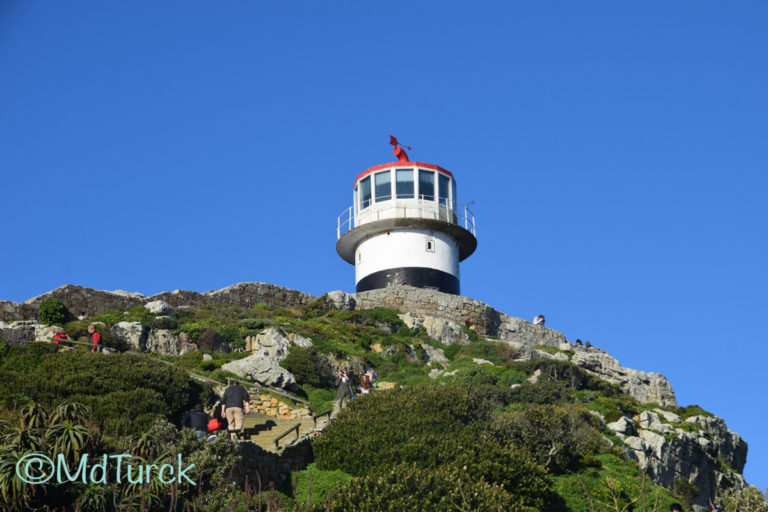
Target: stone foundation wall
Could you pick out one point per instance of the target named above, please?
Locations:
(271, 406)
(406, 299)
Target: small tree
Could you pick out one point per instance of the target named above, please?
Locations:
(53, 311)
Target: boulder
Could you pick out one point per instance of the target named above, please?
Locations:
(340, 300)
(650, 420)
(263, 369)
(44, 333)
(434, 355)
(160, 308)
(299, 340)
(133, 333)
(162, 341)
(624, 426)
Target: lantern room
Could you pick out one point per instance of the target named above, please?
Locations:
(405, 226)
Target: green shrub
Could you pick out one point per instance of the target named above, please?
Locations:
(557, 436)
(165, 322)
(304, 365)
(685, 490)
(405, 488)
(53, 312)
(320, 482)
(692, 410)
(126, 391)
(208, 339)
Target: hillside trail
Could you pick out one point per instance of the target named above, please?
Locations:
(269, 428)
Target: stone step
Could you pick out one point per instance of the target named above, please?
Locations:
(275, 427)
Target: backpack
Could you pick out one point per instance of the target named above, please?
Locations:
(214, 424)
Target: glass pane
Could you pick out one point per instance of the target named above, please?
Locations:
(444, 184)
(365, 192)
(383, 186)
(355, 199)
(426, 185)
(404, 182)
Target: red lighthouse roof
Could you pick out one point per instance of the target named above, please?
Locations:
(402, 161)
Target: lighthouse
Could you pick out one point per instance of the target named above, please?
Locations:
(405, 227)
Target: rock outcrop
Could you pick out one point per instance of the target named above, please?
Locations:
(700, 450)
(262, 369)
(81, 301)
(443, 330)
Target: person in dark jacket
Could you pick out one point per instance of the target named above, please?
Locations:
(235, 405)
(196, 420)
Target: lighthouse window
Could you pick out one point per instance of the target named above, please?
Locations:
(444, 183)
(426, 185)
(453, 193)
(365, 192)
(383, 186)
(404, 181)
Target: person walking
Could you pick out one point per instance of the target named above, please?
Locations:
(343, 389)
(235, 405)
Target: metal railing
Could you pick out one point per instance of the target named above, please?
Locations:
(295, 427)
(318, 416)
(455, 213)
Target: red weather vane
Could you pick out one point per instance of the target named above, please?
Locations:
(399, 150)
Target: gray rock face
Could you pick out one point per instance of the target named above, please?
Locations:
(133, 333)
(429, 354)
(272, 343)
(522, 331)
(262, 369)
(669, 453)
(443, 330)
(163, 342)
(299, 340)
(624, 426)
(19, 333)
(340, 300)
(160, 308)
(646, 387)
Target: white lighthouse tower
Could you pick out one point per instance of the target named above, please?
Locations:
(406, 227)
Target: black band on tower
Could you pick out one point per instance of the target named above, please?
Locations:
(418, 277)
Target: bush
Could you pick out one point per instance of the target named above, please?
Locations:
(406, 488)
(431, 428)
(555, 435)
(686, 491)
(304, 365)
(53, 312)
(209, 339)
(126, 391)
(165, 322)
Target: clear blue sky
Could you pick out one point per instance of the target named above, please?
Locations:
(616, 152)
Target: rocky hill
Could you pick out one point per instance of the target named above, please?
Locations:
(670, 446)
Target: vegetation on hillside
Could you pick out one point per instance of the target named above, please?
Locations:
(457, 436)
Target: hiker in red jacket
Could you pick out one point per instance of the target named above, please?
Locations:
(94, 336)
